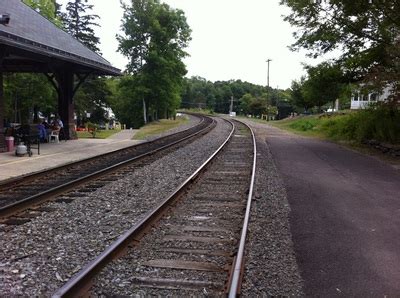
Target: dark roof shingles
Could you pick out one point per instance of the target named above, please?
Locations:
(30, 25)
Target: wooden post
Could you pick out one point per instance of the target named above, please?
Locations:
(65, 80)
(2, 104)
(2, 107)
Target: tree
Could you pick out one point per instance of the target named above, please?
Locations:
(47, 8)
(93, 95)
(245, 102)
(198, 92)
(154, 40)
(128, 107)
(26, 95)
(367, 33)
(297, 97)
(254, 105)
(324, 84)
(80, 24)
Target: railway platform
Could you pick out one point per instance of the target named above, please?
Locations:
(56, 154)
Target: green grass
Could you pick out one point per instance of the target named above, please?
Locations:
(158, 127)
(306, 125)
(198, 111)
(100, 134)
(381, 123)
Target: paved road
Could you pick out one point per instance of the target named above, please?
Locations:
(345, 217)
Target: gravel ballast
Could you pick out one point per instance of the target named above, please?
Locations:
(41, 255)
(271, 267)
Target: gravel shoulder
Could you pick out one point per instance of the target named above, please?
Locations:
(271, 267)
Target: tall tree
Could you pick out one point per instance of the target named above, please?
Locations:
(297, 97)
(366, 32)
(47, 8)
(93, 96)
(26, 95)
(324, 84)
(154, 40)
(79, 23)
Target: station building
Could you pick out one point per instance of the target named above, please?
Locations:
(30, 43)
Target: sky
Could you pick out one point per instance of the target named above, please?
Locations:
(231, 39)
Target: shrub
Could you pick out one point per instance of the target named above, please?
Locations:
(380, 122)
(92, 128)
(304, 124)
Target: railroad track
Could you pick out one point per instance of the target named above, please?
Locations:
(25, 193)
(193, 243)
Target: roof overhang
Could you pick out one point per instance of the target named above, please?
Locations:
(22, 55)
(31, 43)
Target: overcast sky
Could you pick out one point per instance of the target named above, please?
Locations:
(231, 39)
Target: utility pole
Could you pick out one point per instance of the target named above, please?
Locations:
(231, 106)
(143, 100)
(268, 60)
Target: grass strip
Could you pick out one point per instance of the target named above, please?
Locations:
(100, 134)
(158, 127)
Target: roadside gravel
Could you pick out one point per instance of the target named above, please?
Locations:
(271, 267)
(39, 256)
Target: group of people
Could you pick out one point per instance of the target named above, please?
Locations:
(45, 129)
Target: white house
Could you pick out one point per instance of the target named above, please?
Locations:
(360, 100)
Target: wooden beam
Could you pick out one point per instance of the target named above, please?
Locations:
(52, 80)
(81, 80)
(65, 80)
(2, 103)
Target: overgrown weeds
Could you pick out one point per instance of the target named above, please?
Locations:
(380, 122)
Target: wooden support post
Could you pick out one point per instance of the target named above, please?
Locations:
(2, 114)
(2, 103)
(65, 79)
(2, 106)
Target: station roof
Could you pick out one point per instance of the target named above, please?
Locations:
(32, 43)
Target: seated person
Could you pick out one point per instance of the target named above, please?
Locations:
(57, 122)
(46, 126)
(42, 132)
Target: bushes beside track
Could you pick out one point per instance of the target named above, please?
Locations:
(380, 123)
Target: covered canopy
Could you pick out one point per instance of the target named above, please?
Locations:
(31, 43)
(34, 44)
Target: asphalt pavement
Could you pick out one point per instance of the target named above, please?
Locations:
(345, 216)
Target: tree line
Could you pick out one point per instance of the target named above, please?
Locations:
(234, 95)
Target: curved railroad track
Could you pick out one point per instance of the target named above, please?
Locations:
(192, 243)
(23, 193)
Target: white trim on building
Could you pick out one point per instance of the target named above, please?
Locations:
(361, 101)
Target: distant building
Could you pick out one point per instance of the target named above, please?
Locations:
(360, 100)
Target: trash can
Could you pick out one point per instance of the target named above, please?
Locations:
(10, 143)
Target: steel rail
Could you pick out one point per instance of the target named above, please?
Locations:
(16, 180)
(80, 282)
(13, 208)
(239, 259)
